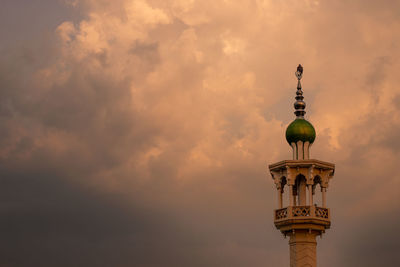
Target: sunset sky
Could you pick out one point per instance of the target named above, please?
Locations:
(139, 132)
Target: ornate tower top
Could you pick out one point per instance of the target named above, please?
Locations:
(300, 217)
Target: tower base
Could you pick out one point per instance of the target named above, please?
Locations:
(303, 248)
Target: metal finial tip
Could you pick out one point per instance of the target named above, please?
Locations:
(300, 68)
(299, 72)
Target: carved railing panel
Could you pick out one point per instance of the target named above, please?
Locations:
(281, 214)
(321, 212)
(302, 211)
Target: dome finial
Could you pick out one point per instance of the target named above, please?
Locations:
(299, 105)
(299, 72)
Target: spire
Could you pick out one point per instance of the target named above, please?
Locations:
(299, 105)
(300, 134)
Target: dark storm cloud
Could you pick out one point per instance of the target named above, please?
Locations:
(378, 238)
(49, 221)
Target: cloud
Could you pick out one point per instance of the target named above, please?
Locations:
(140, 134)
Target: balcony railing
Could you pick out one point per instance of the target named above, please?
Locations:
(281, 214)
(321, 212)
(301, 212)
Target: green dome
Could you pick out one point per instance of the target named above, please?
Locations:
(300, 130)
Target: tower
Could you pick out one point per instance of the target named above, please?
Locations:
(300, 177)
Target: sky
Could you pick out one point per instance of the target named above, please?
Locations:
(139, 132)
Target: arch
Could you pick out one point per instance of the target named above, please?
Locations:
(300, 189)
(283, 183)
(280, 184)
(317, 180)
(318, 197)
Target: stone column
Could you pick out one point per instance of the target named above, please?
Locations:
(302, 192)
(323, 189)
(280, 201)
(303, 249)
(291, 195)
(293, 145)
(310, 195)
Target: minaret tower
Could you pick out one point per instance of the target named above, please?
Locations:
(302, 220)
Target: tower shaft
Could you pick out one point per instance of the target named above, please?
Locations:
(303, 249)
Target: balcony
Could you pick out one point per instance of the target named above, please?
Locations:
(294, 213)
(309, 218)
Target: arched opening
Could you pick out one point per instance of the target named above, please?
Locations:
(284, 201)
(283, 182)
(300, 190)
(317, 197)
